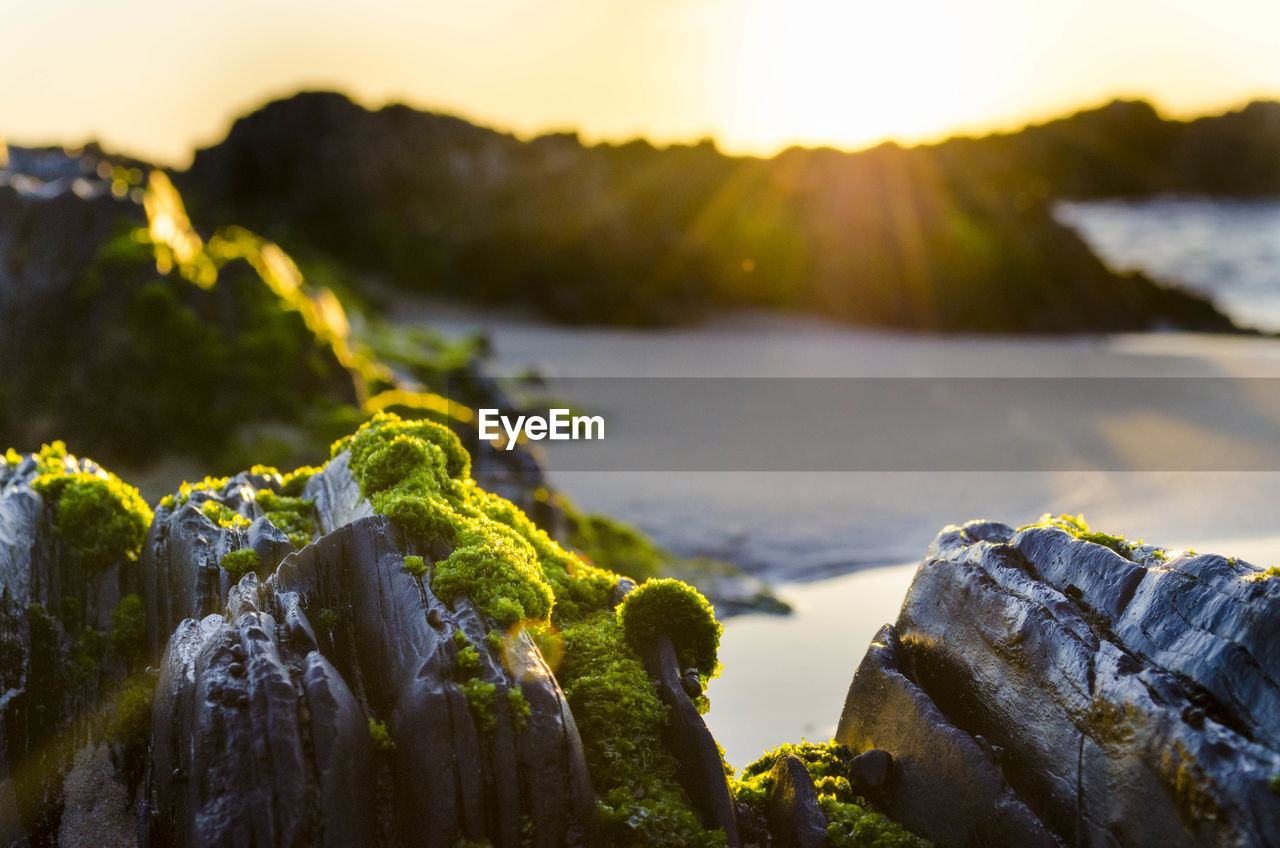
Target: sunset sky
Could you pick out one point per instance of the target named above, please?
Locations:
(158, 78)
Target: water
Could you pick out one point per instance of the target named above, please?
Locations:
(1228, 250)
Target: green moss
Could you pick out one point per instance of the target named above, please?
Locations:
(224, 516)
(1273, 571)
(417, 473)
(518, 708)
(616, 546)
(129, 629)
(1078, 527)
(1274, 783)
(482, 699)
(415, 566)
(131, 723)
(240, 562)
(380, 737)
(856, 825)
(678, 610)
(296, 517)
(852, 823)
(621, 721)
(100, 519)
(468, 662)
(214, 485)
(292, 484)
(495, 641)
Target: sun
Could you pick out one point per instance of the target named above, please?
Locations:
(852, 73)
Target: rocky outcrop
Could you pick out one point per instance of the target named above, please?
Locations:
(1041, 689)
(308, 687)
(933, 238)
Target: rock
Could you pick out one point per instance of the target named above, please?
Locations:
(1123, 703)
(56, 667)
(260, 696)
(795, 818)
(871, 773)
(701, 771)
(945, 788)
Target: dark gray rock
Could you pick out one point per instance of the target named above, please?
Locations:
(278, 729)
(795, 818)
(871, 773)
(701, 771)
(1125, 703)
(57, 672)
(946, 788)
(181, 577)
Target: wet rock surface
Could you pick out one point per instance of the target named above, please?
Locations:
(1039, 689)
(325, 697)
(794, 816)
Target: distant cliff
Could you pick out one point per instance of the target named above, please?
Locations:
(956, 236)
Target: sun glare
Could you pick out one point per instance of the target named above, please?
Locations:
(848, 72)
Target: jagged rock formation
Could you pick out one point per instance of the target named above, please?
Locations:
(951, 237)
(309, 686)
(1039, 688)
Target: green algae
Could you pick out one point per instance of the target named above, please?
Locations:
(616, 546)
(417, 473)
(224, 516)
(239, 563)
(518, 709)
(415, 566)
(482, 698)
(1079, 528)
(130, 720)
(294, 516)
(621, 720)
(678, 610)
(852, 822)
(380, 737)
(102, 520)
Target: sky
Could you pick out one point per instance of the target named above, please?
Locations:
(158, 79)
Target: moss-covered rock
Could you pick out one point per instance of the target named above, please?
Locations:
(418, 473)
(101, 519)
(852, 821)
(672, 608)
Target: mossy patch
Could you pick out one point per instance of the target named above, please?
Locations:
(380, 737)
(295, 517)
(101, 520)
(1078, 527)
(852, 822)
(415, 566)
(224, 516)
(239, 563)
(621, 720)
(616, 546)
(518, 708)
(678, 610)
(130, 723)
(482, 698)
(418, 473)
